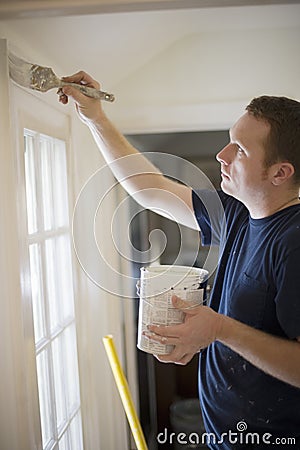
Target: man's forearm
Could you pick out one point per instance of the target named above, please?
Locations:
(134, 171)
(276, 356)
(112, 143)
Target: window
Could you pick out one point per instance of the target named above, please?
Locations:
(52, 291)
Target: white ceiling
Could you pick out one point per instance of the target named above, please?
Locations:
(112, 45)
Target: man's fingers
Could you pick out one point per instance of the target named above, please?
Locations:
(166, 340)
(78, 96)
(88, 108)
(168, 330)
(176, 358)
(82, 78)
(63, 98)
(185, 306)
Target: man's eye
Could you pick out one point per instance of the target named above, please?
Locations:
(240, 150)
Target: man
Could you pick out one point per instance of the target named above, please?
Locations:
(249, 336)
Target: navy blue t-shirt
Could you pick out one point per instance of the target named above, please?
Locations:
(257, 283)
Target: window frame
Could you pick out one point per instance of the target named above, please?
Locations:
(24, 115)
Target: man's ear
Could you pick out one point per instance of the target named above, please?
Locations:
(282, 172)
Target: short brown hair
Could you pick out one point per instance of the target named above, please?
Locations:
(283, 116)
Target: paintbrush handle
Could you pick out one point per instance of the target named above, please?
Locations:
(90, 92)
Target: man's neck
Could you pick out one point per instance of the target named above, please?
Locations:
(268, 207)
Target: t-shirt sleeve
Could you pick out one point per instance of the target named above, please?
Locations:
(214, 211)
(209, 212)
(288, 294)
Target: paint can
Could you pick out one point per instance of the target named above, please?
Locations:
(156, 287)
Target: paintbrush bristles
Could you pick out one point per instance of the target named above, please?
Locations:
(19, 70)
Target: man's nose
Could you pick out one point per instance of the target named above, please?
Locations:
(225, 155)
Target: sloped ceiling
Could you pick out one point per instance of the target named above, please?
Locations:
(111, 46)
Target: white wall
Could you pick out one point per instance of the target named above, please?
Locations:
(97, 313)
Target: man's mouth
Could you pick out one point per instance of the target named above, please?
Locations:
(224, 175)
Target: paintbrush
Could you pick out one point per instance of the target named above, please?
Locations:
(43, 79)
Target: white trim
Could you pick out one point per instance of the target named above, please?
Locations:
(18, 9)
(16, 428)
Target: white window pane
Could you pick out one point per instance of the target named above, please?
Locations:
(71, 368)
(76, 433)
(52, 291)
(64, 267)
(59, 380)
(46, 177)
(30, 184)
(53, 287)
(59, 280)
(46, 410)
(60, 188)
(36, 278)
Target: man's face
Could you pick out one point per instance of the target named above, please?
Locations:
(244, 175)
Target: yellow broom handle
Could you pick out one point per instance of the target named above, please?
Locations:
(124, 392)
